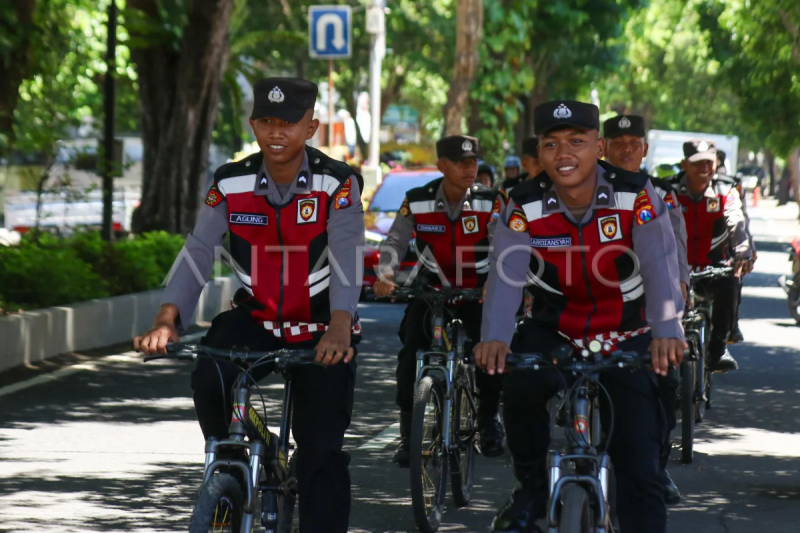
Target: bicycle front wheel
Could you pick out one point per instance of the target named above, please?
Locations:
(576, 513)
(428, 457)
(219, 506)
(687, 411)
(463, 444)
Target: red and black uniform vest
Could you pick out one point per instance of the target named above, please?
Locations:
(584, 279)
(280, 251)
(707, 232)
(462, 244)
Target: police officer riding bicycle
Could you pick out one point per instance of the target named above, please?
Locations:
(576, 232)
(287, 209)
(450, 217)
(716, 235)
(625, 147)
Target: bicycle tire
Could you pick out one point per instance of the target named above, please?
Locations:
(462, 445)
(576, 513)
(428, 393)
(687, 411)
(206, 513)
(700, 372)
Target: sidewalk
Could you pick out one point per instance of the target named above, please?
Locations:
(770, 223)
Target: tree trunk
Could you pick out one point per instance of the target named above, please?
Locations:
(770, 161)
(14, 67)
(793, 162)
(179, 95)
(469, 27)
(351, 103)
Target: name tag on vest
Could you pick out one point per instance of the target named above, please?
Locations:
(551, 242)
(430, 228)
(248, 219)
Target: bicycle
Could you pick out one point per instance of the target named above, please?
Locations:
(252, 459)
(444, 417)
(581, 480)
(694, 393)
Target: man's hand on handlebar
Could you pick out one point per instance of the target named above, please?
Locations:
(384, 286)
(491, 356)
(335, 343)
(666, 352)
(742, 267)
(162, 332)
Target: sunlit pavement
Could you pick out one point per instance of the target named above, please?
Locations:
(115, 447)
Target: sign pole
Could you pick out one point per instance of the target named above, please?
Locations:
(330, 107)
(108, 125)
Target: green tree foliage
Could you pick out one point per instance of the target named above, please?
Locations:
(758, 46)
(504, 77)
(670, 75)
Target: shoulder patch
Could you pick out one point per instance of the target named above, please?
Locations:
(517, 221)
(342, 199)
(669, 199)
(404, 209)
(214, 197)
(495, 209)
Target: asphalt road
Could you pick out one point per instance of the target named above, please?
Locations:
(112, 444)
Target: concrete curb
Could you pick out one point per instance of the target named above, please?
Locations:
(34, 336)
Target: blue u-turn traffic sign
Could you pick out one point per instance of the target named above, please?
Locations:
(329, 32)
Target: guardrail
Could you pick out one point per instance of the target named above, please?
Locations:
(34, 336)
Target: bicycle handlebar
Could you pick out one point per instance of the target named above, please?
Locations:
(619, 359)
(432, 293)
(283, 358)
(714, 272)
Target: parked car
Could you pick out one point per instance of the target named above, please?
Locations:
(380, 214)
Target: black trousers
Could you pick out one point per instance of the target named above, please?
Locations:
(724, 293)
(415, 332)
(639, 434)
(323, 404)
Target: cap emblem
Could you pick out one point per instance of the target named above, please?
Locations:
(702, 147)
(275, 95)
(467, 146)
(562, 111)
(624, 123)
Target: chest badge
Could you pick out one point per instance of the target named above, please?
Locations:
(609, 228)
(712, 205)
(307, 211)
(470, 224)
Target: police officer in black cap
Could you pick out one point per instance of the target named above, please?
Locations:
(582, 210)
(625, 147)
(286, 195)
(451, 216)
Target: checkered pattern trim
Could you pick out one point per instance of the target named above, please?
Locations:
(302, 329)
(609, 341)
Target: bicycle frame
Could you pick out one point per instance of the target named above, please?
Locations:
(247, 422)
(591, 467)
(430, 362)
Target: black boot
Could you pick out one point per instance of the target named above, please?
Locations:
(527, 503)
(671, 493)
(402, 454)
(490, 428)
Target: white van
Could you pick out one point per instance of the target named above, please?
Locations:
(666, 147)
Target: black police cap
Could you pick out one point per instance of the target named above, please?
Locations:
(457, 147)
(284, 98)
(560, 114)
(700, 150)
(530, 146)
(624, 125)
